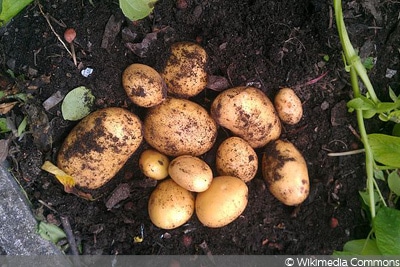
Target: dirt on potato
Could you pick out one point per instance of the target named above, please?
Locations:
(264, 44)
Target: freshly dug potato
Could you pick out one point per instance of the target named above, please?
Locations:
(248, 113)
(154, 164)
(191, 173)
(285, 171)
(170, 205)
(235, 157)
(288, 105)
(185, 71)
(179, 127)
(144, 85)
(99, 145)
(222, 202)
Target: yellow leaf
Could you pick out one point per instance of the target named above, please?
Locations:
(65, 179)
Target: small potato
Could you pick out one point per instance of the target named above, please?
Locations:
(288, 106)
(154, 164)
(248, 113)
(222, 202)
(144, 85)
(185, 71)
(179, 127)
(99, 145)
(235, 157)
(191, 173)
(170, 205)
(285, 171)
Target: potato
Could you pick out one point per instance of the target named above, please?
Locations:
(170, 205)
(179, 127)
(235, 157)
(154, 164)
(222, 202)
(191, 173)
(285, 171)
(185, 70)
(144, 85)
(99, 145)
(248, 113)
(288, 106)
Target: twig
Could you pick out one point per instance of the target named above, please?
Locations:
(52, 29)
(70, 235)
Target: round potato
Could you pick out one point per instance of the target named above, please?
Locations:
(191, 173)
(235, 157)
(154, 164)
(222, 202)
(99, 145)
(170, 205)
(248, 113)
(288, 105)
(144, 85)
(179, 127)
(285, 171)
(185, 70)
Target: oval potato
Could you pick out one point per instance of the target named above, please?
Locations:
(99, 145)
(235, 157)
(222, 202)
(154, 164)
(288, 105)
(285, 171)
(185, 71)
(144, 85)
(179, 127)
(170, 205)
(248, 113)
(191, 173)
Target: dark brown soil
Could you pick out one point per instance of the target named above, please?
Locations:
(267, 44)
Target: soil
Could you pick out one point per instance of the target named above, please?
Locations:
(266, 44)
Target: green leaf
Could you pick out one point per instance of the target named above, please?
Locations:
(385, 149)
(392, 95)
(77, 104)
(394, 116)
(362, 103)
(378, 174)
(136, 9)
(359, 247)
(394, 182)
(365, 197)
(368, 63)
(22, 127)
(10, 8)
(50, 232)
(3, 126)
(386, 225)
(396, 129)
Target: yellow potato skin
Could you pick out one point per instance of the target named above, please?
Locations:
(185, 71)
(99, 145)
(222, 202)
(154, 164)
(179, 127)
(248, 113)
(285, 171)
(144, 85)
(191, 173)
(288, 106)
(170, 205)
(235, 157)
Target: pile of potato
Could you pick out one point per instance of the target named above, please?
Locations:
(180, 131)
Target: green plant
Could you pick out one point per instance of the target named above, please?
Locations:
(136, 9)
(382, 155)
(10, 8)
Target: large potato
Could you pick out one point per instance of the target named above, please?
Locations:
(170, 205)
(285, 171)
(179, 127)
(144, 85)
(191, 173)
(248, 113)
(185, 71)
(235, 157)
(99, 145)
(222, 202)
